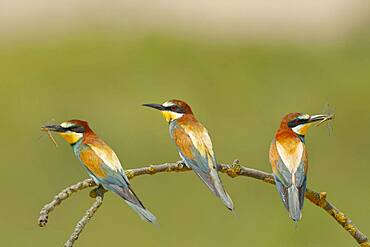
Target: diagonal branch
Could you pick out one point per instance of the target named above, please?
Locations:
(83, 222)
(58, 199)
(233, 170)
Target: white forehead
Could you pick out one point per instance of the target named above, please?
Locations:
(66, 124)
(304, 116)
(168, 103)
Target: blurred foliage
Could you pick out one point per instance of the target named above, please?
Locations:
(238, 91)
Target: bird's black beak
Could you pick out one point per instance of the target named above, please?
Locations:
(321, 118)
(156, 106)
(54, 128)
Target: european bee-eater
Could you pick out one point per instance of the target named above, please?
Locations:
(288, 158)
(194, 145)
(100, 162)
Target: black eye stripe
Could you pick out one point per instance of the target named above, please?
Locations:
(76, 128)
(292, 124)
(296, 122)
(175, 108)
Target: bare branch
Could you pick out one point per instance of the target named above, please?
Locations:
(88, 215)
(64, 194)
(233, 170)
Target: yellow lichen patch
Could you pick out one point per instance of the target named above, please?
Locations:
(340, 217)
(151, 170)
(316, 199)
(234, 171)
(312, 198)
(322, 201)
(350, 228)
(223, 169)
(269, 180)
(129, 174)
(323, 195)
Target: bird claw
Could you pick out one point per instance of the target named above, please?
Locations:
(93, 193)
(180, 165)
(234, 170)
(236, 162)
(99, 191)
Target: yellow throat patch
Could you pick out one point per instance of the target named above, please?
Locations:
(169, 116)
(71, 137)
(302, 129)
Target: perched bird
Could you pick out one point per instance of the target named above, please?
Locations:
(194, 145)
(100, 162)
(288, 158)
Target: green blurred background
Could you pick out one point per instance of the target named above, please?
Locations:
(239, 88)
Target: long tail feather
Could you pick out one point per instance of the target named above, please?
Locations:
(213, 181)
(144, 213)
(133, 201)
(221, 191)
(293, 203)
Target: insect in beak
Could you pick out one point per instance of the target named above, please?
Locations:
(50, 135)
(46, 128)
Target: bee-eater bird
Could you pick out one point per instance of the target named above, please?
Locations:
(194, 145)
(100, 162)
(288, 158)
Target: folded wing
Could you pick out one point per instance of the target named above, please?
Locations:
(195, 148)
(291, 183)
(103, 165)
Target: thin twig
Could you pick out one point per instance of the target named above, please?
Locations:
(233, 170)
(64, 194)
(83, 222)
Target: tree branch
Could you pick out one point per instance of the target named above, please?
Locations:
(63, 195)
(99, 195)
(233, 170)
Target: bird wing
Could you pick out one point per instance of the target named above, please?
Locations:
(104, 165)
(195, 148)
(291, 183)
(301, 177)
(107, 155)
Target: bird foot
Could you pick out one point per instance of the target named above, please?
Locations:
(99, 191)
(236, 162)
(234, 170)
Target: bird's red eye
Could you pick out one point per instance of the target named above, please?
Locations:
(173, 108)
